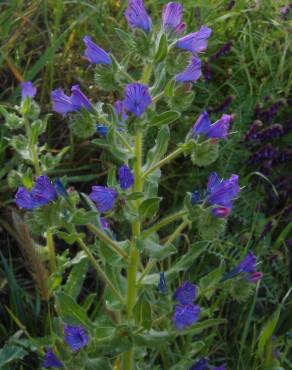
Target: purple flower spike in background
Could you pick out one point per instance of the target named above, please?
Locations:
(126, 177)
(79, 100)
(103, 197)
(186, 315)
(95, 54)
(219, 129)
(248, 264)
(172, 17)
(137, 98)
(195, 42)
(43, 191)
(75, 337)
(28, 90)
(186, 293)
(137, 16)
(202, 364)
(62, 103)
(192, 73)
(51, 360)
(24, 199)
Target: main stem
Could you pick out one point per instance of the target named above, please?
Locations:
(134, 258)
(51, 251)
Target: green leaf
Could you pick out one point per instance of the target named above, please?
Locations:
(8, 354)
(125, 37)
(202, 325)
(157, 251)
(69, 238)
(268, 331)
(165, 118)
(153, 338)
(135, 195)
(149, 207)
(162, 49)
(83, 217)
(76, 278)
(160, 147)
(70, 311)
(84, 124)
(209, 282)
(142, 313)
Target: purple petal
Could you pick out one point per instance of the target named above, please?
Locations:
(24, 199)
(137, 98)
(202, 125)
(202, 364)
(186, 315)
(186, 293)
(43, 191)
(62, 103)
(222, 367)
(126, 177)
(213, 182)
(254, 277)
(75, 337)
(137, 16)
(51, 360)
(95, 54)
(192, 73)
(219, 129)
(221, 212)
(248, 264)
(27, 90)
(195, 42)
(172, 16)
(103, 197)
(223, 193)
(79, 100)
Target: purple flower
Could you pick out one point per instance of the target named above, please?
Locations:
(254, 277)
(248, 264)
(75, 337)
(79, 100)
(103, 197)
(28, 90)
(43, 191)
(62, 103)
(186, 293)
(60, 188)
(196, 197)
(222, 367)
(222, 51)
(195, 42)
(126, 177)
(222, 192)
(120, 111)
(202, 364)
(104, 223)
(94, 54)
(185, 315)
(102, 130)
(172, 17)
(137, 98)
(221, 212)
(162, 287)
(218, 130)
(51, 360)
(137, 16)
(192, 72)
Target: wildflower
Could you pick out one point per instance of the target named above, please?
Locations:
(162, 283)
(60, 188)
(42, 193)
(218, 130)
(186, 315)
(206, 70)
(196, 197)
(221, 194)
(255, 277)
(192, 72)
(51, 360)
(222, 51)
(104, 223)
(186, 293)
(120, 110)
(103, 197)
(95, 54)
(75, 337)
(62, 103)
(195, 42)
(172, 17)
(28, 90)
(79, 100)
(202, 364)
(248, 264)
(137, 98)
(126, 177)
(137, 16)
(102, 130)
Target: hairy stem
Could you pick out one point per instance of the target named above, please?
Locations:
(51, 250)
(164, 222)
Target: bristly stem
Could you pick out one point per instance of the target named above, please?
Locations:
(51, 251)
(165, 160)
(32, 149)
(164, 222)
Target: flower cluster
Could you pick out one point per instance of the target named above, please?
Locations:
(28, 90)
(64, 104)
(218, 130)
(75, 337)
(186, 313)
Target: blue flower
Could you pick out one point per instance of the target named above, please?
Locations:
(137, 16)
(186, 293)
(79, 100)
(95, 54)
(104, 223)
(218, 130)
(202, 364)
(162, 287)
(195, 42)
(102, 130)
(192, 72)
(62, 103)
(248, 264)
(172, 17)
(126, 177)
(222, 367)
(186, 315)
(195, 197)
(60, 188)
(28, 90)
(137, 98)
(221, 193)
(103, 197)
(75, 337)
(51, 360)
(42, 193)
(120, 110)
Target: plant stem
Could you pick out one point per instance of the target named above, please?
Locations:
(176, 233)
(35, 160)
(128, 360)
(112, 244)
(51, 250)
(99, 270)
(164, 222)
(161, 163)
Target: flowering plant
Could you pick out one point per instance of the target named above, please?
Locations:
(116, 225)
